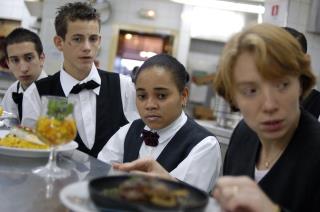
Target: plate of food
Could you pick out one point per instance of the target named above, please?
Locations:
(142, 193)
(22, 142)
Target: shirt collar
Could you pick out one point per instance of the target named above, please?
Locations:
(67, 81)
(170, 130)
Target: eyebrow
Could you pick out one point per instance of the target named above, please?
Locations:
(157, 89)
(17, 56)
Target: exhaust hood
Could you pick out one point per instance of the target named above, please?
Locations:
(34, 7)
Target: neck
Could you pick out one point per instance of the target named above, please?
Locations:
(272, 149)
(77, 74)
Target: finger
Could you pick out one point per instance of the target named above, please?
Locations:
(139, 164)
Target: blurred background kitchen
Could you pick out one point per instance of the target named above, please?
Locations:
(194, 31)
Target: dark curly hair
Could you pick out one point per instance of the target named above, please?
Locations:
(74, 11)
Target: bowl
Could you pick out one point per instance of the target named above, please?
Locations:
(195, 200)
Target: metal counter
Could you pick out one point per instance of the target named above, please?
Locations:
(21, 190)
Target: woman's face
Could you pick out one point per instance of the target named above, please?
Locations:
(159, 101)
(270, 108)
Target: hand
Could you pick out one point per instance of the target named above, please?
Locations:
(237, 194)
(145, 166)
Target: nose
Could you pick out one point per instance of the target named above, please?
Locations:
(151, 104)
(24, 66)
(270, 103)
(86, 45)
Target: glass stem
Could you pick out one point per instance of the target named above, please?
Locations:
(52, 163)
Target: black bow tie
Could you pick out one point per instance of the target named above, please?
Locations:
(88, 85)
(150, 138)
(17, 97)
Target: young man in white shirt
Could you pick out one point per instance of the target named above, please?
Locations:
(104, 101)
(25, 59)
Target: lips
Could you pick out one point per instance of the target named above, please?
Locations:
(23, 78)
(86, 58)
(272, 126)
(152, 118)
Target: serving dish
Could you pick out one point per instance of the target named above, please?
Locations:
(36, 153)
(196, 199)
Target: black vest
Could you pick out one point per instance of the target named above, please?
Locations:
(312, 103)
(189, 135)
(18, 98)
(109, 111)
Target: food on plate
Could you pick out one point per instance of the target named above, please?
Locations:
(22, 137)
(148, 191)
(26, 133)
(11, 140)
(1, 110)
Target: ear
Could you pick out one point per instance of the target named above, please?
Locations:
(58, 42)
(184, 96)
(42, 57)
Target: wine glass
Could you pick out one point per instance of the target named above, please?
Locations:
(55, 127)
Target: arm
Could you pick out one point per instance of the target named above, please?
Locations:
(201, 168)
(146, 166)
(128, 96)
(114, 149)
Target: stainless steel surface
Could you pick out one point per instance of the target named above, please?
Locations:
(20, 190)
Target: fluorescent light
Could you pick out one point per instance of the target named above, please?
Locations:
(224, 5)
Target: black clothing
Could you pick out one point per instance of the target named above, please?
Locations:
(178, 148)
(293, 181)
(18, 98)
(312, 103)
(90, 85)
(109, 113)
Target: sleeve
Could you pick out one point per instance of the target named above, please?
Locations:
(202, 166)
(7, 102)
(128, 96)
(114, 149)
(31, 106)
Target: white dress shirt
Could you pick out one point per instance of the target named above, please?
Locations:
(7, 102)
(84, 103)
(200, 168)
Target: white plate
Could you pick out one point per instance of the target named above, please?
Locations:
(36, 153)
(76, 198)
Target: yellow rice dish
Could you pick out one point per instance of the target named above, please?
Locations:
(13, 141)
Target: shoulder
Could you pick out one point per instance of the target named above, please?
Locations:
(13, 87)
(107, 73)
(48, 79)
(194, 126)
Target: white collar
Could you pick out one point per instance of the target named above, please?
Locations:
(172, 128)
(67, 81)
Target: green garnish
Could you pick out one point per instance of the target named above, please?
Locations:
(59, 108)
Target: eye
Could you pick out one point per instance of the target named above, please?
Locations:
(76, 40)
(162, 96)
(141, 96)
(283, 85)
(248, 91)
(94, 39)
(28, 58)
(14, 60)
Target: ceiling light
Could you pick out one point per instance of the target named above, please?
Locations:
(147, 13)
(225, 5)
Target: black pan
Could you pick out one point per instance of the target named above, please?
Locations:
(196, 200)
